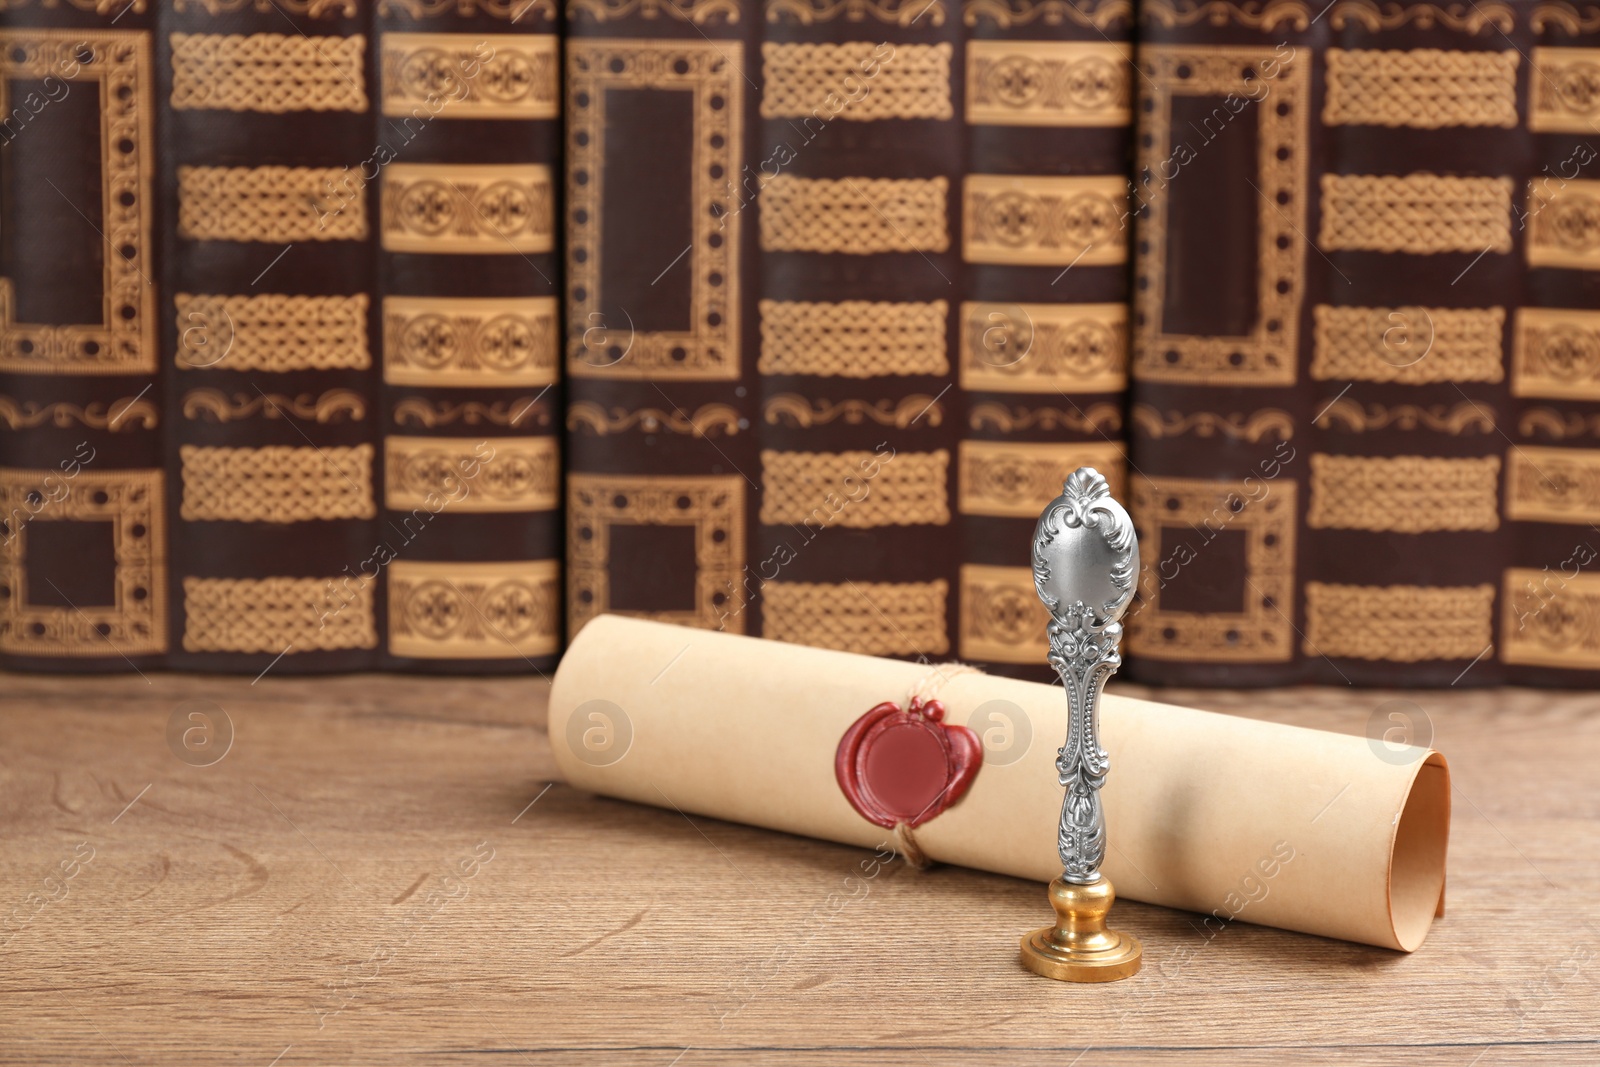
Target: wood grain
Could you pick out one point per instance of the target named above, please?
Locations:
(379, 870)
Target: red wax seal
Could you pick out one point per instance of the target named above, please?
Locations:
(906, 766)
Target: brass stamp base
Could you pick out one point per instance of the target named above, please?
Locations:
(1079, 948)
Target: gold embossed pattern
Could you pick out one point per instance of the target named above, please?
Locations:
(1048, 83)
(853, 338)
(471, 75)
(710, 506)
(873, 618)
(1565, 93)
(277, 615)
(1550, 618)
(1404, 494)
(1398, 623)
(855, 216)
(1564, 230)
(1407, 345)
(1002, 618)
(276, 484)
(1044, 221)
(860, 490)
(1044, 348)
(473, 208)
(856, 81)
(1009, 478)
(1556, 354)
(710, 75)
(33, 619)
(1178, 521)
(1553, 484)
(474, 610)
(118, 74)
(271, 73)
(280, 205)
(1419, 213)
(470, 474)
(271, 332)
(1267, 354)
(462, 341)
(1425, 88)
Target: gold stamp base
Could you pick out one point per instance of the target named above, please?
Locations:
(1079, 948)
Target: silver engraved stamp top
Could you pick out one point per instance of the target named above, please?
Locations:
(1085, 562)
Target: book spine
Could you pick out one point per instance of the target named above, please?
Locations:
(1042, 329)
(856, 194)
(266, 328)
(468, 164)
(661, 342)
(84, 554)
(1549, 615)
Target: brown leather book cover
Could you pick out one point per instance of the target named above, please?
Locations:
(846, 295)
(1364, 259)
(280, 312)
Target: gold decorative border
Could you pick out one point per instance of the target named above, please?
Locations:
(711, 73)
(1422, 214)
(1404, 494)
(1423, 88)
(1550, 619)
(471, 75)
(1101, 418)
(1564, 90)
(124, 341)
(712, 505)
(872, 618)
(1007, 14)
(468, 208)
(277, 615)
(1009, 478)
(1262, 632)
(1398, 623)
(1044, 348)
(315, 9)
(280, 205)
(1267, 355)
(801, 412)
(1408, 345)
(1553, 484)
(271, 332)
(474, 475)
(471, 342)
(1556, 353)
(854, 216)
(1049, 83)
(853, 338)
(694, 12)
(269, 73)
(131, 502)
(884, 81)
(903, 13)
(1352, 416)
(122, 414)
(332, 406)
(1565, 230)
(859, 490)
(1002, 617)
(1044, 221)
(276, 484)
(429, 413)
(1262, 425)
(708, 420)
(1475, 17)
(474, 610)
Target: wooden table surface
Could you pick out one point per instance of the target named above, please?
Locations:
(379, 870)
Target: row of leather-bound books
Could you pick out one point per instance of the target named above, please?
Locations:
(413, 334)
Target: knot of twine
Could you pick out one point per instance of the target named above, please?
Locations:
(924, 690)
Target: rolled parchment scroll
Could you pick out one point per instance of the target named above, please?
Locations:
(1234, 818)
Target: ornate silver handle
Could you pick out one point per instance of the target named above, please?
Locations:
(1085, 559)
